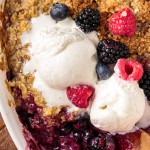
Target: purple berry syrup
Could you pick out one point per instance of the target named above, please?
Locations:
(79, 134)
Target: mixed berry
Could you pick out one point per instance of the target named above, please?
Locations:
(79, 134)
(123, 23)
(109, 51)
(129, 70)
(59, 12)
(80, 95)
(88, 20)
(103, 71)
(125, 142)
(73, 135)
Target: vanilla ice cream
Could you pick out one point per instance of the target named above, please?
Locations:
(118, 105)
(61, 56)
(144, 122)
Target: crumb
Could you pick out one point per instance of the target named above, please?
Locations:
(11, 103)
(52, 111)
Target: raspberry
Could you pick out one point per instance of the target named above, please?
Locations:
(129, 70)
(80, 95)
(123, 23)
(88, 20)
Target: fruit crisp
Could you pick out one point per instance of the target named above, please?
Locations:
(119, 39)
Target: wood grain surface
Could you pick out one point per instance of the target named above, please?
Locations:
(6, 142)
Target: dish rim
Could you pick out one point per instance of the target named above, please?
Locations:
(8, 113)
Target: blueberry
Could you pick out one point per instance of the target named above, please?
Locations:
(59, 12)
(103, 71)
(65, 129)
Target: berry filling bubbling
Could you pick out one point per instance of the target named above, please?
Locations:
(79, 134)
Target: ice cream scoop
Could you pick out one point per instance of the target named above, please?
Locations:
(62, 54)
(118, 105)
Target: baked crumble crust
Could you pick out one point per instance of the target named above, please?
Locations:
(17, 20)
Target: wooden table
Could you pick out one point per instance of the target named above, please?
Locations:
(6, 142)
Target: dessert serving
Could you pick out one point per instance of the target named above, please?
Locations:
(78, 72)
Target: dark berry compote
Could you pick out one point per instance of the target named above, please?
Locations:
(79, 134)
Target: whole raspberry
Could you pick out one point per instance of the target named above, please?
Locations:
(80, 95)
(129, 70)
(123, 23)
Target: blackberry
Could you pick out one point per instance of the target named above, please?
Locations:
(88, 20)
(109, 51)
(144, 83)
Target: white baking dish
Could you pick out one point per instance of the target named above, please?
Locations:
(9, 114)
